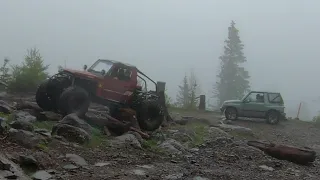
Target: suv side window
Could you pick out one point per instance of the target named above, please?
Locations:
(256, 97)
(274, 98)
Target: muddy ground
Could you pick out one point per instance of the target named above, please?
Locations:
(192, 151)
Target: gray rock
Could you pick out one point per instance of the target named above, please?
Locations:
(126, 139)
(238, 129)
(28, 161)
(5, 107)
(71, 133)
(139, 172)
(50, 116)
(70, 167)
(23, 125)
(146, 166)
(266, 168)
(41, 175)
(24, 138)
(101, 164)
(9, 170)
(78, 160)
(23, 116)
(199, 178)
(172, 146)
(3, 125)
(137, 135)
(214, 132)
(74, 120)
(43, 132)
(174, 176)
(194, 150)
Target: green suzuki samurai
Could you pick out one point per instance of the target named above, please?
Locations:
(256, 104)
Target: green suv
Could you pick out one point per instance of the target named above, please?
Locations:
(256, 104)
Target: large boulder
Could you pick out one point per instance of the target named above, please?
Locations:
(23, 116)
(23, 125)
(74, 120)
(9, 170)
(25, 138)
(71, 133)
(172, 146)
(3, 125)
(5, 107)
(126, 139)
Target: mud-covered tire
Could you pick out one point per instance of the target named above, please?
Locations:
(74, 100)
(43, 99)
(231, 113)
(273, 117)
(150, 115)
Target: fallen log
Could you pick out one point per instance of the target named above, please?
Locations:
(296, 155)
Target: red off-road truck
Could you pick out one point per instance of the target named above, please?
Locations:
(107, 82)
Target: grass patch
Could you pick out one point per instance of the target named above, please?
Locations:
(199, 132)
(44, 125)
(43, 146)
(151, 145)
(97, 139)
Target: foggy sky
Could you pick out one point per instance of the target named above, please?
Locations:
(167, 38)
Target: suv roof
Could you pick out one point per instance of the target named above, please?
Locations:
(265, 92)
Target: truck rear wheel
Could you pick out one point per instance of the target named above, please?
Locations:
(150, 115)
(74, 100)
(42, 98)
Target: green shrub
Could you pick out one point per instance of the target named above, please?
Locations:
(26, 77)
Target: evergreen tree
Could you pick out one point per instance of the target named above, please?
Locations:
(4, 70)
(183, 94)
(233, 79)
(193, 91)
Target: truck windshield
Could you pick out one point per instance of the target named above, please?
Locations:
(100, 66)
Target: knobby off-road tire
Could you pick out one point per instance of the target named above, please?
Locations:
(231, 113)
(74, 100)
(273, 117)
(42, 98)
(150, 115)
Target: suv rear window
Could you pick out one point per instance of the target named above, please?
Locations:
(275, 98)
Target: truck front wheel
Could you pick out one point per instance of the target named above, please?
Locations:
(150, 115)
(74, 100)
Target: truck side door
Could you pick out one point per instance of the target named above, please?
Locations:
(122, 79)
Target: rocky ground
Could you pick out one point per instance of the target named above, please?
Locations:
(198, 146)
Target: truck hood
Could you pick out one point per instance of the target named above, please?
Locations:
(232, 101)
(82, 73)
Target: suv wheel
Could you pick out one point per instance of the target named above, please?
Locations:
(273, 117)
(231, 113)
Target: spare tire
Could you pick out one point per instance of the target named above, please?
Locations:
(150, 115)
(74, 100)
(43, 99)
